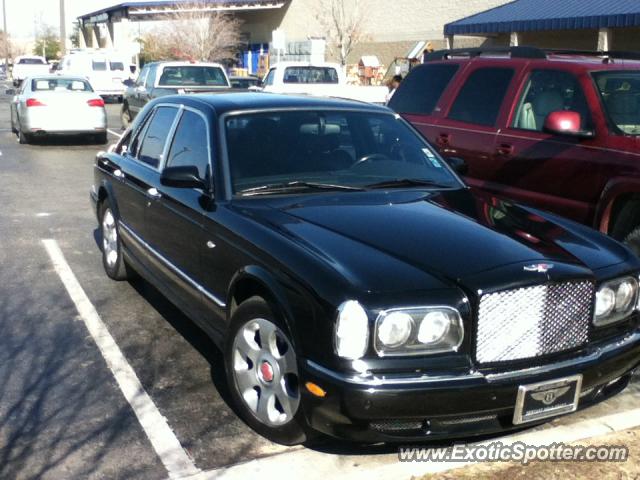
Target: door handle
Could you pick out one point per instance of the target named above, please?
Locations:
(443, 139)
(505, 149)
(154, 193)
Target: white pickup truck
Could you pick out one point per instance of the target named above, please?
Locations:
(28, 66)
(319, 79)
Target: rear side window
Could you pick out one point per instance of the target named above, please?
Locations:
(481, 96)
(310, 75)
(189, 146)
(420, 91)
(99, 65)
(156, 136)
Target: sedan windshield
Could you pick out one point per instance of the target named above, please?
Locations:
(620, 93)
(311, 150)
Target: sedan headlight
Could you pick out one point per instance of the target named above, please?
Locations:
(352, 330)
(615, 300)
(418, 331)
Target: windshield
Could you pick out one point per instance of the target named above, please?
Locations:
(335, 149)
(620, 93)
(192, 75)
(31, 61)
(310, 75)
(60, 84)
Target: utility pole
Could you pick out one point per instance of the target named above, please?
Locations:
(6, 38)
(63, 29)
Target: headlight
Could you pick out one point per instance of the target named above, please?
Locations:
(418, 331)
(615, 300)
(352, 330)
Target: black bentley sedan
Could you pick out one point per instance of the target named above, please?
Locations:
(356, 286)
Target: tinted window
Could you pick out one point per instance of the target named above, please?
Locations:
(481, 96)
(99, 65)
(268, 80)
(354, 149)
(189, 146)
(31, 61)
(192, 75)
(143, 76)
(310, 75)
(118, 66)
(423, 87)
(156, 136)
(549, 91)
(620, 94)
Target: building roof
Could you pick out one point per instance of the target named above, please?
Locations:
(532, 15)
(370, 61)
(146, 7)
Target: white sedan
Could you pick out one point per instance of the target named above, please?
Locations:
(58, 105)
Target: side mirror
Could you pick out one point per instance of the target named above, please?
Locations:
(128, 82)
(458, 165)
(182, 177)
(565, 122)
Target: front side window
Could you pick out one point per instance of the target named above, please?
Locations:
(350, 150)
(481, 96)
(420, 92)
(190, 144)
(150, 81)
(310, 75)
(99, 65)
(268, 80)
(156, 136)
(116, 66)
(192, 75)
(549, 91)
(620, 94)
(142, 77)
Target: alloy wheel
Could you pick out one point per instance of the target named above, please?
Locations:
(265, 372)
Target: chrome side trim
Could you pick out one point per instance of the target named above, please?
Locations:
(172, 267)
(373, 381)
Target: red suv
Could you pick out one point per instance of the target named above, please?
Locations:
(559, 130)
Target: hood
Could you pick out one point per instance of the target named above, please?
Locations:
(450, 234)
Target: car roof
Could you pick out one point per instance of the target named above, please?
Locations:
(53, 76)
(186, 64)
(305, 64)
(249, 101)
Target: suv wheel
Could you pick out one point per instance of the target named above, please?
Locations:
(627, 226)
(262, 372)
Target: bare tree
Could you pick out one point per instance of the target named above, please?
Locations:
(195, 32)
(343, 21)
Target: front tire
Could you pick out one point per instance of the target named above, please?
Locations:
(112, 258)
(262, 373)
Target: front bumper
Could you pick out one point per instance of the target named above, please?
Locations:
(371, 409)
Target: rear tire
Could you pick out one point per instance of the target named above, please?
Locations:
(125, 115)
(270, 401)
(112, 257)
(101, 138)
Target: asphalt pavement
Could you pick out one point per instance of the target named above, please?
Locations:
(64, 413)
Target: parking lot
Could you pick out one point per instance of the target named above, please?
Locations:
(70, 406)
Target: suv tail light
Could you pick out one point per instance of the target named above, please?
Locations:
(96, 102)
(34, 102)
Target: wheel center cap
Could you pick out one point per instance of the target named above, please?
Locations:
(266, 371)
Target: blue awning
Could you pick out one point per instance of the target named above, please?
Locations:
(532, 15)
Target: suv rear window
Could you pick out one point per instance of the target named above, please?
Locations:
(420, 91)
(481, 96)
(31, 61)
(310, 75)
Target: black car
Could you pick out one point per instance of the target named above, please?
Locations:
(355, 285)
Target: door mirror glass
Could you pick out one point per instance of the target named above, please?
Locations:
(128, 82)
(182, 177)
(565, 122)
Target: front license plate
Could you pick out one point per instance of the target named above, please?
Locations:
(547, 399)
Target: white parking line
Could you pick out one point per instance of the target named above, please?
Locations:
(119, 135)
(162, 438)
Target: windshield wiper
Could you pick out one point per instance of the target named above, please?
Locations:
(408, 182)
(295, 185)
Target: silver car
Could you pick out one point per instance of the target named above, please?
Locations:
(58, 105)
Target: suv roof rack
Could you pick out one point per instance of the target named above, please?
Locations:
(530, 52)
(515, 52)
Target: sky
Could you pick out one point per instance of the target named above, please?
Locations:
(23, 16)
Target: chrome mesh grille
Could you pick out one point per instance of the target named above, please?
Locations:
(533, 321)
